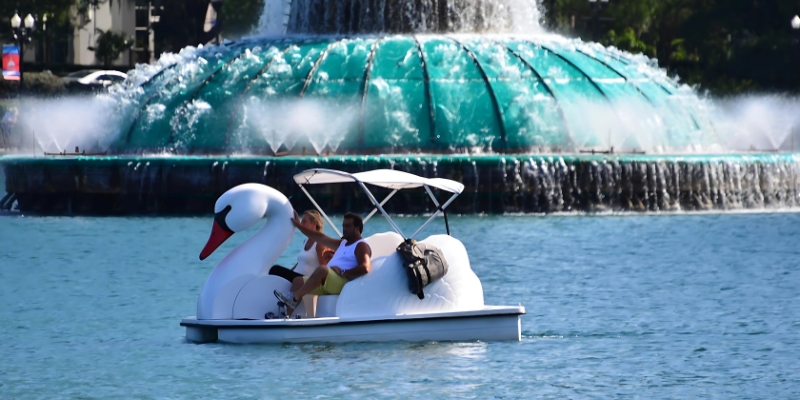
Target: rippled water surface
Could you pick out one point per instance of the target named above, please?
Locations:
(676, 306)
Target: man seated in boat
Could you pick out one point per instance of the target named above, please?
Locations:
(351, 260)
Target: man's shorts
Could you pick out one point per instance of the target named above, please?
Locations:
(334, 284)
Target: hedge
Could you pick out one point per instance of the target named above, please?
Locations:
(36, 83)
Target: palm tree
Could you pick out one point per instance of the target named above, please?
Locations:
(110, 45)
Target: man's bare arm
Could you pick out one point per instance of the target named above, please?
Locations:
(364, 259)
(319, 237)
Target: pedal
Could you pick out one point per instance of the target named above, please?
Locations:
(282, 309)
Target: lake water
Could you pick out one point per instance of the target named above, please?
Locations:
(645, 306)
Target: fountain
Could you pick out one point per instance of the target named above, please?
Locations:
(471, 90)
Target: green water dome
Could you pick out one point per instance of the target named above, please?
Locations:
(408, 94)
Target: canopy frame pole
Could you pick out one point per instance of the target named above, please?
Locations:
(447, 204)
(438, 207)
(380, 207)
(374, 210)
(438, 210)
(425, 224)
(320, 210)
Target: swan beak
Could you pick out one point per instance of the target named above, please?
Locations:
(218, 236)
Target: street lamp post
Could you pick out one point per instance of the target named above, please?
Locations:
(44, 41)
(795, 49)
(597, 7)
(23, 31)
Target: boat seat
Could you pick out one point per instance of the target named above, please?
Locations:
(320, 306)
(383, 244)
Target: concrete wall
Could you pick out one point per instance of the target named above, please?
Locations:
(106, 185)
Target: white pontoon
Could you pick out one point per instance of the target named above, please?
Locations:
(238, 295)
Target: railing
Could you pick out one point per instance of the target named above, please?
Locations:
(77, 152)
(611, 151)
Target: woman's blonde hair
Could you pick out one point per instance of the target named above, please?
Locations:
(314, 216)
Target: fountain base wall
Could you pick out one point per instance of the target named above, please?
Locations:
(494, 184)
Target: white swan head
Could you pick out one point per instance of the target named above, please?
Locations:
(236, 210)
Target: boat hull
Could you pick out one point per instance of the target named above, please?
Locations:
(487, 324)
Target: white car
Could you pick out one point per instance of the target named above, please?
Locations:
(92, 79)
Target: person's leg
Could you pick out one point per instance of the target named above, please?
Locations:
(284, 273)
(315, 280)
(334, 284)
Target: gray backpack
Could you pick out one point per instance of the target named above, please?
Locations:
(424, 264)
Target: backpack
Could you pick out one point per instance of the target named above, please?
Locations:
(424, 264)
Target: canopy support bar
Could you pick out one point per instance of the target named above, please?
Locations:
(436, 203)
(447, 204)
(438, 210)
(380, 207)
(320, 210)
(374, 210)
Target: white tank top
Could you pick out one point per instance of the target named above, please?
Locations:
(307, 260)
(345, 256)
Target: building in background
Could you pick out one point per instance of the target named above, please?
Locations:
(152, 26)
(118, 16)
(76, 43)
(146, 16)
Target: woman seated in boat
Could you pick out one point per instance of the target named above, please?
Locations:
(312, 255)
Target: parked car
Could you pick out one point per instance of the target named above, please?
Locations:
(92, 80)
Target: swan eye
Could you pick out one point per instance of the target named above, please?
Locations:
(219, 218)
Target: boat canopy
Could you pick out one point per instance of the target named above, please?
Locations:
(385, 178)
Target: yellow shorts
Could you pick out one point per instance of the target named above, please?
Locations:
(334, 284)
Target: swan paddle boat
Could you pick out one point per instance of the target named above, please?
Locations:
(237, 305)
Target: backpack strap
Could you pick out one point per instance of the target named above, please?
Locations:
(420, 294)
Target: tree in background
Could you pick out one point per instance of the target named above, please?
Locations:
(724, 46)
(180, 24)
(110, 45)
(240, 17)
(628, 41)
(182, 21)
(58, 13)
(743, 45)
(57, 8)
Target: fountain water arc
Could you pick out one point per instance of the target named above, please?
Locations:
(471, 94)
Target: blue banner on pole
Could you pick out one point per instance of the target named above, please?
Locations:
(11, 62)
